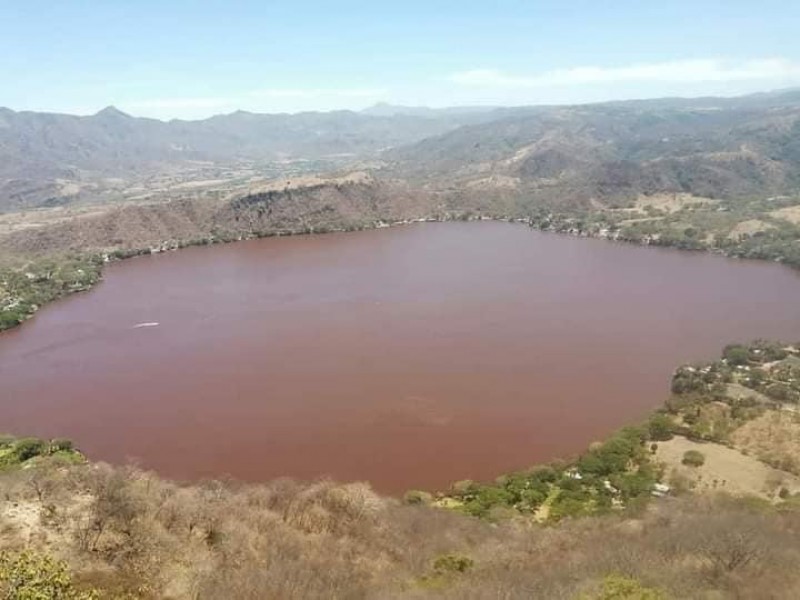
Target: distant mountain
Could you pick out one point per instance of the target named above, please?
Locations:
(383, 109)
(612, 152)
(38, 151)
(544, 155)
(112, 139)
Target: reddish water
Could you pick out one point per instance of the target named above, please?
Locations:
(409, 357)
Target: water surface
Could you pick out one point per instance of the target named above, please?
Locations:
(409, 357)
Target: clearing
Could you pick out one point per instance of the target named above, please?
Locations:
(725, 469)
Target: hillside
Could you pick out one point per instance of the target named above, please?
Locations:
(305, 204)
(717, 174)
(52, 159)
(534, 156)
(576, 157)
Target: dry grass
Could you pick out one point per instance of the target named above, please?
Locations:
(774, 438)
(129, 532)
(736, 391)
(725, 469)
(42, 217)
(748, 227)
(671, 203)
(790, 213)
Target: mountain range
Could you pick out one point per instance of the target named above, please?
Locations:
(545, 155)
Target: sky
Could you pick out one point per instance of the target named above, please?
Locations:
(192, 59)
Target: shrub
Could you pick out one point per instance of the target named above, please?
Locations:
(30, 576)
(417, 497)
(465, 486)
(693, 458)
(779, 391)
(618, 587)
(485, 498)
(27, 448)
(452, 563)
(61, 445)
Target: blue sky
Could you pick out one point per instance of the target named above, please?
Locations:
(182, 59)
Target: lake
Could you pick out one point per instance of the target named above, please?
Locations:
(409, 357)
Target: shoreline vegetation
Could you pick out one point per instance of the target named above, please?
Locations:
(766, 230)
(111, 532)
(709, 404)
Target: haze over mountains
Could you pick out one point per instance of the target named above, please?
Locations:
(615, 151)
(547, 154)
(40, 151)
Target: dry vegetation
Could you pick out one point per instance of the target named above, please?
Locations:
(725, 469)
(773, 438)
(128, 533)
(304, 205)
(669, 203)
(790, 213)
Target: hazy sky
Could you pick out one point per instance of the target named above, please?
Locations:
(190, 59)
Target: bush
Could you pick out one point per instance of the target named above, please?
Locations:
(452, 563)
(61, 445)
(27, 448)
(485, 498)
(30, 576)
(693, 458)
(617, 587)
(417, 497)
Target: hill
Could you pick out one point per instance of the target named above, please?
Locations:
(544, 155)
(572, 157)
(52, 159)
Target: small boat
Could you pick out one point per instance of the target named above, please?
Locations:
(149, 324)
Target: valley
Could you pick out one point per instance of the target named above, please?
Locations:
(459, 347)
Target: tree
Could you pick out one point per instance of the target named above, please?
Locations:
(736, 354)
(660, 427)
(27, 448)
